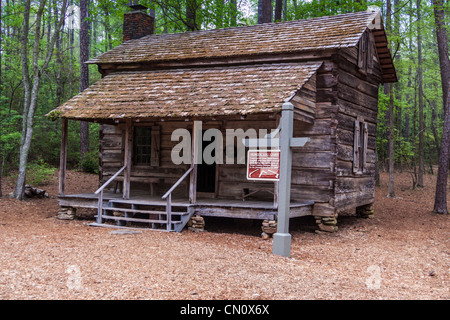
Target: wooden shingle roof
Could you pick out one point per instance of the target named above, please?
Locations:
(231, 71)
(199, 92)
(332, 32)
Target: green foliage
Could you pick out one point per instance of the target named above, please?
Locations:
(40, 173)
(61, 79)
(404, 150)
(89, 163)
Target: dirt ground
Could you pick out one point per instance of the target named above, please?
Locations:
(403, 253)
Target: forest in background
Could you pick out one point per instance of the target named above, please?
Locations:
(44, 42)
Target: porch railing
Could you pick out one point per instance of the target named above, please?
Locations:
(168, 196)
(100, 193)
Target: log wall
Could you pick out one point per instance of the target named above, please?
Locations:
(357, 100)
(322, 170)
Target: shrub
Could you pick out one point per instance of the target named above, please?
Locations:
(40, 173)
(89, 164)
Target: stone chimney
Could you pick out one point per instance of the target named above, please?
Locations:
(137, 23)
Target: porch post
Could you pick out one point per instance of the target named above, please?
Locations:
(195, 156)
(127, 158)
(63, 157)
(275, 185)
(282, 238)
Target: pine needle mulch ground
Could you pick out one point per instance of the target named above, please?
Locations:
(403, 253)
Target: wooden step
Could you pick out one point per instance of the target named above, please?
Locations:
(105, 225)
(160, 203)
(143, 211)
(137, 220)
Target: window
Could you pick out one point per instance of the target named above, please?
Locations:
(146, 145)
(142, 145)
(361, 137)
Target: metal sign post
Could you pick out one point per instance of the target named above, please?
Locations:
(282, 238)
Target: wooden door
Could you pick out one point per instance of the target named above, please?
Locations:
(206, 174)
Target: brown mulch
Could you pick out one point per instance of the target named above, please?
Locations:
(403, 253)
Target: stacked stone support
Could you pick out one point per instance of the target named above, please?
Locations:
(66, 213)
(196, 224)
(269, 227)
(366, 211)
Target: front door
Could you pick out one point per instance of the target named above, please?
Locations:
(206, 174)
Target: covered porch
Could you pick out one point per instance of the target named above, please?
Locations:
(166, 199)
(160, 102)
(145, 210)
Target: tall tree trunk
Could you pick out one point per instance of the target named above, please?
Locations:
(191, 15)
(391, 189)
(71, 43)
(108, 42)
(264, 11)
(58, 59)
(440, 200)
(444, 62)
(397, 85)
(278, 10)
(377, 169)
(420, 84)
(1, 91)
(433, 127)
(409, 98)
(84, 71)
(31, 88)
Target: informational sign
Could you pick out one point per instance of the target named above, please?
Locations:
(263, 165)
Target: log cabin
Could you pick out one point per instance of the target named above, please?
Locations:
(328, 69)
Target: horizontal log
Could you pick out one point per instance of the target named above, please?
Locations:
(243, 213)
(320, 127)
(359, 84)
(312, 176)
(312, 159)
(327, 80)
(311, 193)
(326, 95)
(345, 66)
(110, 129)
(350, 55)
(303, 116)
(327, 66)
(354, 110)
(231, 189)
(351, 200)
(112, 165)
(353, 95)
(354, 184)
(111, 142)
(326, 110)
(345, 168)
(348, 123)
(305, 104)
(323, 210)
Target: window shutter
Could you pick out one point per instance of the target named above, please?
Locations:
(366, 142)
(356, 143)
(155, 146)
(362, 52)
(370, 52)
